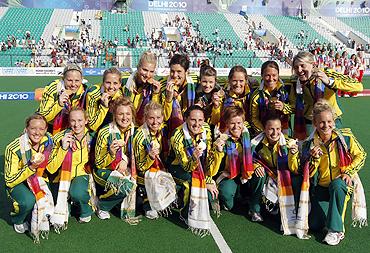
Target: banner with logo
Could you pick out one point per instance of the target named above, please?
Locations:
(17, 95)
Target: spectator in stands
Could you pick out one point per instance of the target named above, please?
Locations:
(334, 172)
(312, 84)
(100, 96)
(270, 97)
(25, 161)
(60, 96)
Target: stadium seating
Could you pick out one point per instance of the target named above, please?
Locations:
(291, 26)
(361, 24)
(89, 17)
(17, 21)
(209, 22)
(59, 18)
(113, 25)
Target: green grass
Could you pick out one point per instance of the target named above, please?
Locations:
(166, 235)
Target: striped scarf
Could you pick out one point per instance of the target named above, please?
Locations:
(264, 100)
(300, 131)
(291, 221)
(60, 218)
(44, 206)
(61, 120)
(159, 184)
(125, 184)
(131, 88)
(199, 216)
(176, 118)
(237, 167)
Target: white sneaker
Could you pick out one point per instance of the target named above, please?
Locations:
(103, 215)
(85, 219)
(21, 228)
(255, 217)
(333, 238)
(151, 214)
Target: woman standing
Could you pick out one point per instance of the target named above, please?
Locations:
(180, 91)
(270, 97)
(141, 87)
(238, 94)
(311, 85)
(60, 96)
(99, 96)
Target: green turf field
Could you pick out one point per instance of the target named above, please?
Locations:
(165, 235)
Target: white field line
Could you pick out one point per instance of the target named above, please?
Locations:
(219, 239)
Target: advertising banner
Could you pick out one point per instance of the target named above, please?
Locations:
(17, 95)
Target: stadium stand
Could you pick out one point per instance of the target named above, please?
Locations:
(152, 20)
(59, 18)
(292, 26)
(113, 24)
(215, 27)
(89, 16)
(18, 22)
(358, 23)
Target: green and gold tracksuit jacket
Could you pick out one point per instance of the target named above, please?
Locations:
(98, 114)
(327, 166)
(16, 172)
(338, 82)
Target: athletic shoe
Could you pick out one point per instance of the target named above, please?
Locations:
(103, 215)
(21, 228)
(333, 238)
(85, 219)
(255, 217)
(152, 214)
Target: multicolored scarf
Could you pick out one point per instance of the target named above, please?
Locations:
(264, 100)
(60, 218)
(199, 216)
(291, 221)
(176, 118)
(159, 184)
(236, 167)
(131, 88)
(300, 131)
(125, 184)
(61, 120)
(44, 206)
